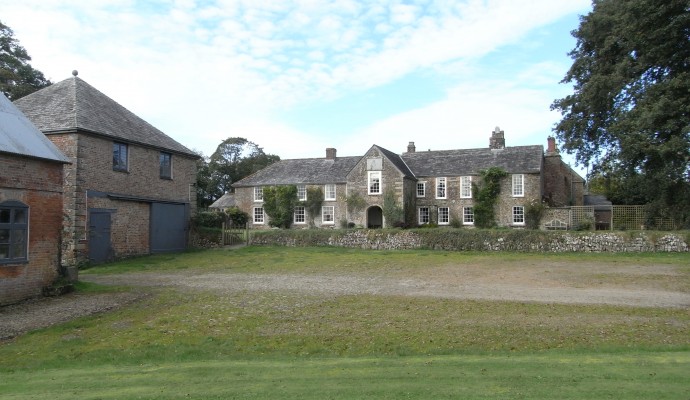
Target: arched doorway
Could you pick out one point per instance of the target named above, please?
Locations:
(374, 217)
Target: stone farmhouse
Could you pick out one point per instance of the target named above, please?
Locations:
(31, 174)
(129, 189)
(430, 186)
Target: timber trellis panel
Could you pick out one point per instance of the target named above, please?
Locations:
(619, 218)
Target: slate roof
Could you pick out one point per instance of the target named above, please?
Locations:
(301, 172)
(225, 201)
(19, 136)
(73, 104)
(514, 160)
(399, 163)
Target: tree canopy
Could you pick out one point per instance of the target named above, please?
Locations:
(17, 77)
(234, 159)
(629, 115)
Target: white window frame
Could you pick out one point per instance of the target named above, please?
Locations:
(329, 192)
(468, 215)
(299, 215)
(421, 185)
(258, 193)
(302, 192)
(325, 212)
(518, 185)
(465, 187)
(374, 177)
(426, 214)
(259, 218)
(518, 215)
(441, 188)
(442, 214)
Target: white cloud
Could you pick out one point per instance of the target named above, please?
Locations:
(203, 71)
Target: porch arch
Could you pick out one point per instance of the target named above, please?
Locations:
(374, 217)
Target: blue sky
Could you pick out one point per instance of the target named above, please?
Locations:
(299, 76)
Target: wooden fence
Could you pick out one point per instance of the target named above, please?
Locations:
(235, 235)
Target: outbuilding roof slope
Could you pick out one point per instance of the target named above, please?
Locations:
(301, 172)
(516, 159)
(19, 136)
(73, 104)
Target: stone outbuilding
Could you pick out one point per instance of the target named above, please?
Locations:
(129, 189)
(31, 198)
(429, 187)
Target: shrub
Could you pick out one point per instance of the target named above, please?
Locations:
(209, 219)
(237, 217)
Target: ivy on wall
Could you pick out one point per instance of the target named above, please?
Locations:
(392, 211)
(486, 196)
(313, 203)
(279, 204)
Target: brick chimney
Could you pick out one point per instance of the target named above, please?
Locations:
(330, 153)
(497, 140)
(411, 148)
(551, 145)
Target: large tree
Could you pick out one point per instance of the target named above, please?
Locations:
(629, 115)
(234, 159)
(17, 77)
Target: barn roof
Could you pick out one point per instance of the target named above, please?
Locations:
(19, 136)
(73, 104)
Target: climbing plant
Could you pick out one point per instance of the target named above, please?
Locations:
(313, 203)
(279, 204)
(392, 211)
(355, 202)
(486, 195)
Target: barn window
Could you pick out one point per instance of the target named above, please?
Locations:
(166, 165)
(14, 232)
(119, 156)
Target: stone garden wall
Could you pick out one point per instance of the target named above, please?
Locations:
(479, 240)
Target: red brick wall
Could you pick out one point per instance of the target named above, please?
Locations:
(37, 184)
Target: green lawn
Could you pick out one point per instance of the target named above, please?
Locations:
(259, 345)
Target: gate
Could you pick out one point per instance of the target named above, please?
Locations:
(235, 234)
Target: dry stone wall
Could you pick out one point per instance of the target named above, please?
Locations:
(475, 240)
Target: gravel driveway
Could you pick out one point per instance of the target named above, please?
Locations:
(630, 286)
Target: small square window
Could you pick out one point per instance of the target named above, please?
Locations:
(119, 156)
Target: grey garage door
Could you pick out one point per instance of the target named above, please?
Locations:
(168, 227)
